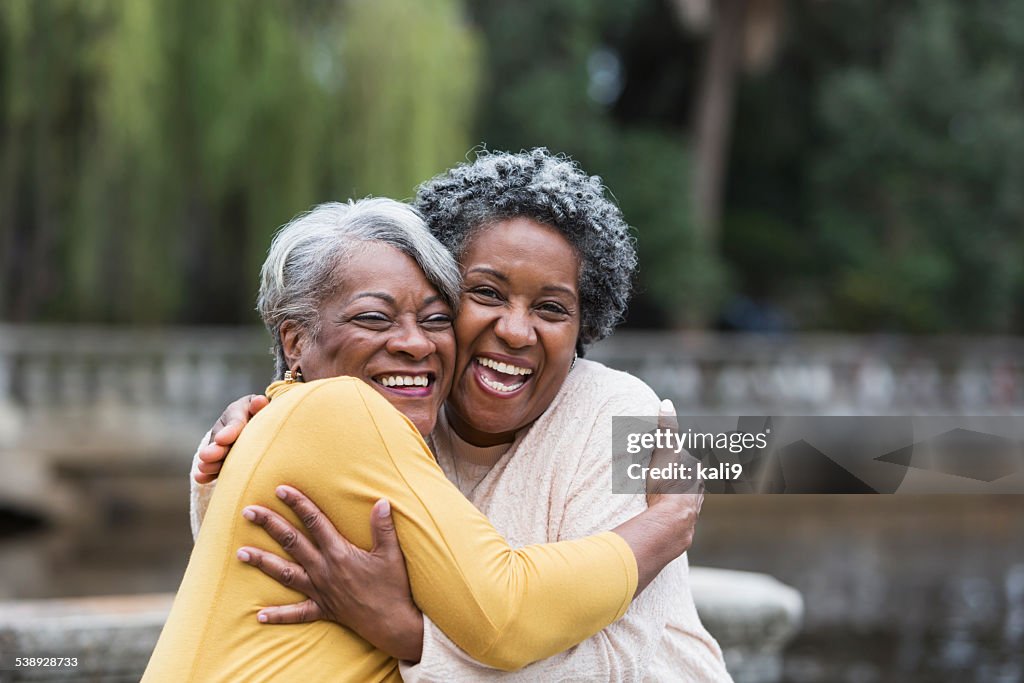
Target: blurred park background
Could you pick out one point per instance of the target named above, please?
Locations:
(828, 198)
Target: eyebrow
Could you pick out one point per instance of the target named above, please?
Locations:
(490, 271)
(559, 288)
(375, 295)
(384, 296)
(504, 278)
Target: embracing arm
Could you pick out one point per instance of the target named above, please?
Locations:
(213, 449)
(624, 649)
(199, 494)
(505, 607)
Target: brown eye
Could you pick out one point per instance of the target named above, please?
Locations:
(551, 307)
(486, 295)
(486, 292)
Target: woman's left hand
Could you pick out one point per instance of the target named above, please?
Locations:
(367, 592)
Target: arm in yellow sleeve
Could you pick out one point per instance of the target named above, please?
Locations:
(345, 446)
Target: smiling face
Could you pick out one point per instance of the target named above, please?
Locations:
(386, 325)
(516, 330)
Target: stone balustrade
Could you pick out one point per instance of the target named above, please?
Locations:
(78, 370)
(81, 397)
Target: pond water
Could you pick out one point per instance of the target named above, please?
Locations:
(913, 589)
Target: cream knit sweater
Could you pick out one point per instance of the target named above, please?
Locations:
(553, 484)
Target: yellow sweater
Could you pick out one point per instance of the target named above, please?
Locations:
(344, 445)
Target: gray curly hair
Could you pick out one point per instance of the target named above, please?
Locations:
(552, 190)
(305, 263)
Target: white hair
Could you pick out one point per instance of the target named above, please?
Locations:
(306, 258)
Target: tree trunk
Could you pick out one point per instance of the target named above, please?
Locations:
(713, 124)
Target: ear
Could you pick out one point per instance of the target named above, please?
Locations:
(293, 338)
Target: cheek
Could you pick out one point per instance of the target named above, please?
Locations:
(352, 351)
(472, 319)
(445, 344)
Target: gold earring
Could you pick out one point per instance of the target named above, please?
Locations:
(291, 377)
(573, 363)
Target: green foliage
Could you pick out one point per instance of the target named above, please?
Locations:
(537, 95)
(919, 188)
(405, 101)
(148, 150)
(882, 161)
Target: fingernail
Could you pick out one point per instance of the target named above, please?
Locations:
(243, 556)
(281, 493)
(262, 618)
(383, 508)
(667, 407)
(249, 514)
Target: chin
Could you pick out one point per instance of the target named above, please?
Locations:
(497, 424)
(424, 423)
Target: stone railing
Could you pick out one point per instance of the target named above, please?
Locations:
(815, 374)
(82, 396)
(753, 616)
(85, 389)
(85, 373)
(100, 398)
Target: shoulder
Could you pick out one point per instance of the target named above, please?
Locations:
(595, 385)
(331, 399)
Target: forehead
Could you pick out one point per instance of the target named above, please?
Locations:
(523, 246)
(378, 267)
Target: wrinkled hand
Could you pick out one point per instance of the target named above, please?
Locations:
(224, 433)
(679, 501)
(367, 592)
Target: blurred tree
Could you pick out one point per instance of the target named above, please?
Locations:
(573, 76)
(920, 184)
(875, 175)
(411, 76)
(148, 150)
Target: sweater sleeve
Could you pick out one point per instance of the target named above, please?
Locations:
(622, 651)
(199, 494)
(505, 607)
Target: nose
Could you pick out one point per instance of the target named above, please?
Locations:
(410, 340)
(515, 329)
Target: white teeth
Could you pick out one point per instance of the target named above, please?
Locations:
(503, 368)
(404, 380)
(498, 386)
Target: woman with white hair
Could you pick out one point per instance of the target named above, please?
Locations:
(547, 261)
(359, 300)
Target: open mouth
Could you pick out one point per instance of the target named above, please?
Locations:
(501, 377)
(407, 384)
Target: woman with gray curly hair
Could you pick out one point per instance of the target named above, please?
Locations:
(358, 299)
(525, 434)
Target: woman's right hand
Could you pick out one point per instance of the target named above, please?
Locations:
(665, 530)
(685, 493)
(224, 433)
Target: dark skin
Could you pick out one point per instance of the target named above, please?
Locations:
(330, 571)
(516, 310)
(400, 635)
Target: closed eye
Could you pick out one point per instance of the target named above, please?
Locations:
(375, 318)
(437, 321)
